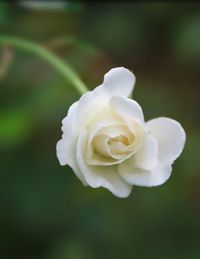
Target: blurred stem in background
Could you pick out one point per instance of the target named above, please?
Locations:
(62, 67)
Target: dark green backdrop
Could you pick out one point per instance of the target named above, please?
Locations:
(45, 212)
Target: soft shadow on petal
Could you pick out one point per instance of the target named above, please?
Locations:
(100, 176)
(89, 105)
(147, 156)
(128, 108)
(171, 138)
(141, 177)
(67, 156)
(119, 81)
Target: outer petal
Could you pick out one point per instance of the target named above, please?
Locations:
(147, 156)
(141, 177)
(128, 108)
(66, 147)
(119, 81)
(100, 176)
(171, 138)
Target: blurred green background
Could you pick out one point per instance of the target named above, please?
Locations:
(45, 210)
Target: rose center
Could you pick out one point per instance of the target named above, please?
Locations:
(112, 144)
(121, 138)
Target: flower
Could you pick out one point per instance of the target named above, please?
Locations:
(107, 142)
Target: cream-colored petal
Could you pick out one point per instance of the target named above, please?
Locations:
(103, 154)
(101, 121)
(100, 176)
(119, 144)
(114, 131)
(100, 145)
(119, 148)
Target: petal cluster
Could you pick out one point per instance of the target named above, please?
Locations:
(107, 142)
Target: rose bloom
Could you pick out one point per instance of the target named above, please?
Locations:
(107, 142)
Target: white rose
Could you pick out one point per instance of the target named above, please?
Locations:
(108, 144)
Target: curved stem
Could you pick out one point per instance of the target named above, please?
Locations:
(63, 68)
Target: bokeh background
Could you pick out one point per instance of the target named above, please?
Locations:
(45, 211)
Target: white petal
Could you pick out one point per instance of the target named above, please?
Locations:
(67, 155)
(128, 108)
(147, 156)
(171, 138)
(119, 81)
(89, 105)
(141, 177)
(61, 151)
(100, 176)
(65, 148)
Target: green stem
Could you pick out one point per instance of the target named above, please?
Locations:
(63, 68)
